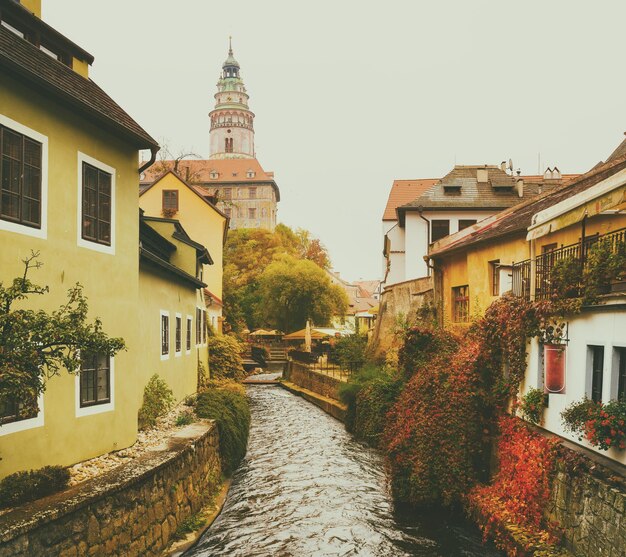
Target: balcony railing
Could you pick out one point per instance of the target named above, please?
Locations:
(545, 263)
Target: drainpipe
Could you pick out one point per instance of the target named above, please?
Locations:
(150, 162)
(420, 210)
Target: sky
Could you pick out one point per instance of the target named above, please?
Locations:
(350, 95)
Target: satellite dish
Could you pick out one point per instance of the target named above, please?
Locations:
(511, 165)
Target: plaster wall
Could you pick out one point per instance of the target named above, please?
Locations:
(203, 224)
(598, 327)
(109, 279)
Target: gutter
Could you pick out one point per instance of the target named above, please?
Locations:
(150, 162)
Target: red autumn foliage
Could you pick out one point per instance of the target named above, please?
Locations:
(520, 490)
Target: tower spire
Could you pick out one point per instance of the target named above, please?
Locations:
(230, 45)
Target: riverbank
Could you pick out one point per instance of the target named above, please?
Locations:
(306, 487)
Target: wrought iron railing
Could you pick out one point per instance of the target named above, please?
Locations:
(546, 262)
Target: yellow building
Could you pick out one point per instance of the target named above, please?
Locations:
(169, 195)
(70, 192)
(173, 334)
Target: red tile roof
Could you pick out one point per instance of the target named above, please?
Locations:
(517, 219)
(405, 191)
(199, 170)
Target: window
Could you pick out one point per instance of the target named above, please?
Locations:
(252, 193)
(228, 193)
(548, 248)
(597, 372)
(188, 335)
(621, 373)
(460, 301)
(170, 200)
(21, 175)
(95, 374)
(198, 326)
(228, 147)
(96, 205)
(439, 229)
(494, 266)
(466, 223)
(179, 334)
(263, 212)
(15, 411)
(250, 174)
(252, 213)
(165, 335)
(204, 326)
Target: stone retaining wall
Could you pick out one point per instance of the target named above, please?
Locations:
(404, 300)
(591, 510)
(132, 510)
(319, 383)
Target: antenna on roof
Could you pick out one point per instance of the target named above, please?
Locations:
(539, 162)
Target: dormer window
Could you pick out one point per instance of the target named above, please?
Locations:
(213, 175)
(250, 174)
(452, 188)
(13, 29)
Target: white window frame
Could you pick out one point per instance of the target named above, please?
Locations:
(190, 328)
(614, 381)
(82, 411)
(110, 250)
(165, 313)
(179, 353)
(23, 425)
(42, 231)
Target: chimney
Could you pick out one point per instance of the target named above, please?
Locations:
(520, 187)
(503, 166)
(482, 176)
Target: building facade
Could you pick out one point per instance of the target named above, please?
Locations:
(69, 193)
(519, 251)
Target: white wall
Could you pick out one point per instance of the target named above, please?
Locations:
(396, 237)
(599, 328)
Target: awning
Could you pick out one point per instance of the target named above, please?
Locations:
(610, 194)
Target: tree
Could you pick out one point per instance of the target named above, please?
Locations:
(248, 252)
(294, 290)
(35, 345)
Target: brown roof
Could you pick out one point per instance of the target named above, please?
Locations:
(620, 151)
(460, 189)
(28, 63)
(404, 191)
(198, 172)
(518, 218)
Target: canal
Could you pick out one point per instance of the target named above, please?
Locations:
(306, 488)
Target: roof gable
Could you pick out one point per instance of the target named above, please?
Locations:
(404, 191)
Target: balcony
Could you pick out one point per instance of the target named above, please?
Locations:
(575, 261)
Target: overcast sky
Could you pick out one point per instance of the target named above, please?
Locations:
(350, 95)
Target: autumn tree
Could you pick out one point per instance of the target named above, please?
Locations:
(248, 252)
(36, 345)
(294, 290)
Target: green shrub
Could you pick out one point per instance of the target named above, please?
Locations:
(191, 524)
(158, 398)
(22, 487)
(349, 352)
(532, 405)
(565, 278)
(369, 394)
(185, 418)
(225, 357)
(232, 413)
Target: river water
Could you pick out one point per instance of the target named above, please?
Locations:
(306, 488)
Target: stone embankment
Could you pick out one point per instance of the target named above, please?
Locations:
(318, 388)
(132, 510)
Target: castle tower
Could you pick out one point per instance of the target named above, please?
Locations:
(232, 122)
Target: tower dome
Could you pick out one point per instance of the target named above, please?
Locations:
(232, 122)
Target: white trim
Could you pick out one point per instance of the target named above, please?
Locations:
(22, 425)
(189, 322)
(96, 408)
(42, 231)
(178, 353)
(82, 157)
(163, 312)
(605, 186)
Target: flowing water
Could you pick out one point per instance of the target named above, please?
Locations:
(306, 488)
